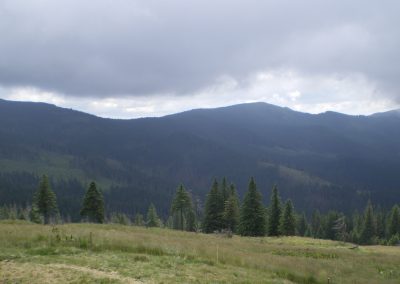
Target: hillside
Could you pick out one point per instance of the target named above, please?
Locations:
(83, 253)
(324, 161)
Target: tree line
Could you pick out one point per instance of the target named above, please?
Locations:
(224, 212)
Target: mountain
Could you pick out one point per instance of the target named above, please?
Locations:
(324, 161)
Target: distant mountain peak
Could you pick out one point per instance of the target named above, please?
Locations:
(393, 113)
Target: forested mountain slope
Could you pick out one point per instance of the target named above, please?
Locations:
(324, 161)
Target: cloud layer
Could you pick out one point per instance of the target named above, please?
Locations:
(187, 51)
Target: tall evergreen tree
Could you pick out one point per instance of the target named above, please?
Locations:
(368, 229)
(152, 219)
(231, 211)
(213, 211)
(340, 228)
(380, 223)
(252, 213)
(274, 213)
(328, 225)
(288, 222)
(394, 221)
(191, 223)
(45, 200)
(181, 205)
(225, 191)
(302, 225)
(93, 205)
(316, 228)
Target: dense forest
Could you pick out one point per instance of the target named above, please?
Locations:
(222, 213)
(325, 161)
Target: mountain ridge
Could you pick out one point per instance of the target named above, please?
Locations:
(317, 159)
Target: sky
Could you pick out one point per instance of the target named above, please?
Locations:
(139, 58)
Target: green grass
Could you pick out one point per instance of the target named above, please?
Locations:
(88, 253)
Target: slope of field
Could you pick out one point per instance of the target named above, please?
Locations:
(87, 253)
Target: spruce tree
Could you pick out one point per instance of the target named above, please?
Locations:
(138, 220)
(368, 229)
(181, 205)
(288, 222)
(152, 219)
(394, 221)
(213, 211)
(231, 211)
(252, 213)
(380, 224)
(225, 191)
(45, 200)
(340, 228)
(274, 215)
(34, 215)
(316, 230)
(302, 225)
(93, 205)
(328, 225)
(191, 224)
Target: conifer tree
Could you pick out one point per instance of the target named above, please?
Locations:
(34, 215)
(380, 224)
(181, 205)
(252, 213)
(93, 205)
(213, 211)
(191, 224)
(274, 211)
(328, 225)
(138, 221)
(368, 229)
(232, 211)
(302, 225)
(394, 221)
(225, 191)
(316, 230)
(340, 228)
(288, 222)
(45, 200)
(152, 219)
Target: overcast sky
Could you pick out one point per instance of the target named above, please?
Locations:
(128, 58)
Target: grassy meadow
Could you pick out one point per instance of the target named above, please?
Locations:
(89, 253)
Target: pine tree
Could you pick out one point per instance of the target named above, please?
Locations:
(252, 213)
(394, 221)
(231, 211)
(34, 215)
(357, 221)
(340, 228)
(225, 191)
(152, 219)
(328, 225)
(45, 200)
(213, 211)
(120, 218)
(302, 225)
(93, 205)
(191, 224)
(316, 225)
(288, 222)
(139, 220)
(181, 205)
(274, 215)
(380, 224)
(368, 229)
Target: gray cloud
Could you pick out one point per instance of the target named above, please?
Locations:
(111, 48)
